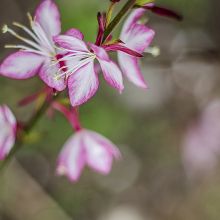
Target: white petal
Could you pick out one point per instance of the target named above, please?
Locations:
(49, 74)
(112, 74)
(48, 16)
(83, 84)
(130, 21)
(111, 71)
(7, 131)
(75, 33)
(21, 65)
(99, 152)
(70, 43)
(71, 159)
(130, 67)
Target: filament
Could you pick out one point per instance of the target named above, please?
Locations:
(31, 43)
(26, 30)
(27, 49)
(74, 68)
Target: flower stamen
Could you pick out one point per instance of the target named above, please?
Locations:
(30, 19)
(6, 29)
(74, 68)
(24, 48)
(26, 30)
(154, 51)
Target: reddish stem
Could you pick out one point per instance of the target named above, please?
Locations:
(29, 99)
(71, 115)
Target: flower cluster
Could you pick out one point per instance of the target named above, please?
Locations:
(65, 61)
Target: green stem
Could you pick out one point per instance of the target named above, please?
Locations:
(118, 18)
(37, 115)
(27, 128)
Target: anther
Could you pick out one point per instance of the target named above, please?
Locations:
(30, 18)
(9, 46)
(57, 77)
(155, 51)
(5, 29)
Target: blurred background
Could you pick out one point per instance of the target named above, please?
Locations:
(169, 135)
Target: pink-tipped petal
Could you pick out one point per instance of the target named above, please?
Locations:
(8, 115)
(72, 159)
(111, 72)
(140, 37)
(48, 16)
(136, 37)
(21, 65)
(99, 52)
(83, 84)
(6, 145)
(131, 69)
(70, 43)
(7, 131)
(100, 152)
(131, 20)
(110, 147)
(49, 74)
(75, 33)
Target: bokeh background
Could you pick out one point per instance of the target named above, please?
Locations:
(169, 135)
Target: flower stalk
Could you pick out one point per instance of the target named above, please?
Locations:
(27, 128)
(113, 24)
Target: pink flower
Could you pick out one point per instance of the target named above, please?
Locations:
(201, 144)
(8, 126)
(137, 37)
(86, 148)
(80, 72)
(38, 54)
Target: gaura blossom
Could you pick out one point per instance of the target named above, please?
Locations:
(82, 78)
(86, 148)
(37, 55)
(8, 126)
(137, 37)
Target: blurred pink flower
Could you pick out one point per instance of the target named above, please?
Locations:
(8, 126)
(86, 148)
(201, 146)
(39, 53)
(80, 71)
(136, 37)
